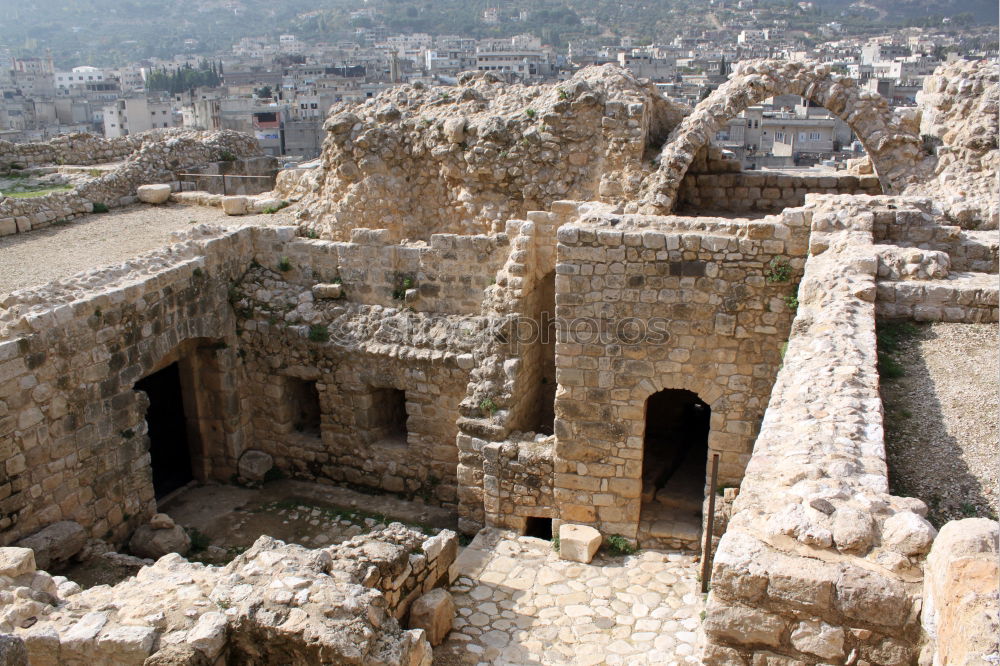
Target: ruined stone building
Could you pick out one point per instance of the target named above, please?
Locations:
(535, 306)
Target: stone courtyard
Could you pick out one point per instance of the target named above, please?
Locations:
(518, 603)
(418, 403)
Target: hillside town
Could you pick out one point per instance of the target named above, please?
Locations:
(279, 89)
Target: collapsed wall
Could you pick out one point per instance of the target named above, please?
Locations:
(150, 157)
(465, 159)
(275, 603)
(959, 107)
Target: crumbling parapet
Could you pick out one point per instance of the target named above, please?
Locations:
(819, 562)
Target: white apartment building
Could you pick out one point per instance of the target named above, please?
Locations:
(132, 115)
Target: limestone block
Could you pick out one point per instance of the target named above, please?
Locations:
(743, 625)
(327, 290)
(209, 634)
(178, 655)
(154, 544)
(16, 561)
(907, 533)
(578, 543)
(153, 194)
(128, 645)
(254, 465)
(161, 521)
(819, 638)
(8, 226)
(852, 530)
(454, 131)
(56, 543)
(433, 612)
(234, 205)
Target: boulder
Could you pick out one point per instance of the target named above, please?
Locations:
(150, 542)
(56, 543)
(234, 205)
(434, 612)
(254, 465)
(327, 290)
(12, 651)
(578, 543)
(454, 130)
(15, 562)
(209, 634)
(153, 194)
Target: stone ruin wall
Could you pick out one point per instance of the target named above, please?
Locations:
(275, 603)
(727, 325)
(763, 192)
(466, 159)
(73, 429)
(154, 157)
(78, 148)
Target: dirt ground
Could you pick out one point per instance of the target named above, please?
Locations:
(224, 520)
(940, 393)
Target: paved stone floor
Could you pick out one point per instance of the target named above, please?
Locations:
(519, 604)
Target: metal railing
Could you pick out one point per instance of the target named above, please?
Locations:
(223, 176)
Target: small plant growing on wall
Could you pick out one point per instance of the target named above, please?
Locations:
(318, 333)
(284, 265)
(100, 207)
(399, 293)
(779, 270)
(530, 113)
(792, 301)
(487, 407)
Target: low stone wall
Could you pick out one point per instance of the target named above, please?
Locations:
(155, 159)
(962, 594)
(342, 604)
(78, 149)
(768, 192)
(819, 563)
(962, 297)
(245, 176)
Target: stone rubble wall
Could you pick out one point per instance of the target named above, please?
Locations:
(77, 149)
(158, 156)
(275, 603)
(959, 124)
(961, 598)
(759, 191)
(819, 563)
(722, 324)
(466, 159)
(891, 142)
(970, 298)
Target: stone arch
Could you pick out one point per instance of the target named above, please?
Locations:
(893, 148)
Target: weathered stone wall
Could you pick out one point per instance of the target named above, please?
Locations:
(158, 155)
(961, 596)
(466, 159)
(758, 191)
(343, 604)
(81, 149)
(959, 108)
(518, 482)
(820, 564)
(703, 316)
(72, 434)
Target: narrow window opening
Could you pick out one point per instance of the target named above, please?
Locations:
(389, 415)
(304, 396)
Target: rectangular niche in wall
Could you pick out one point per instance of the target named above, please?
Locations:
(388, 414)
(304, 398)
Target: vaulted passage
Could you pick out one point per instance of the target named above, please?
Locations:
(168, 441)
(675, 451)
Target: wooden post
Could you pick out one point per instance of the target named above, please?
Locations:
(706, 551)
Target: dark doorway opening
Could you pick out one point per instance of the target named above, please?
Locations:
(547, 352)
(169, 449)
(540, 528)
(389, 415)
(675, 450)
(305, 406)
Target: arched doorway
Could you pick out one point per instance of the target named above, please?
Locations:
(675, 451)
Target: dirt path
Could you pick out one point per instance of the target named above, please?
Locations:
(941, 419)
(104, 239)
